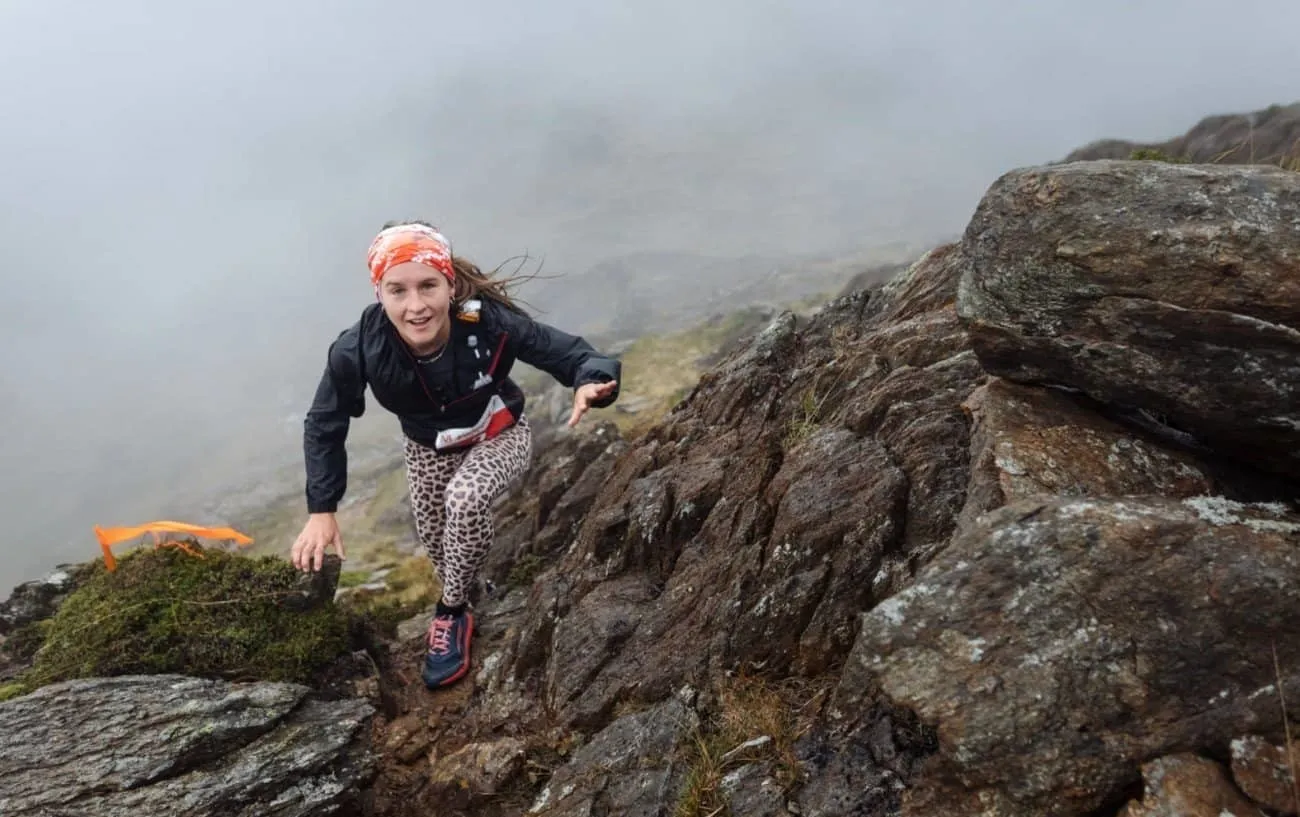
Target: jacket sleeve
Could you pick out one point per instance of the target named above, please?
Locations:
(340, 396)
(568, 358)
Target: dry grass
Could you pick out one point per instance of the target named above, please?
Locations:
(1286, 727)
(810, 413)
(748, 709)
(660, 370)
(368, 534)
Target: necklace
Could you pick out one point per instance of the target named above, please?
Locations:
(433, 357)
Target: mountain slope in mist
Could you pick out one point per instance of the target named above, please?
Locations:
(1267, 136)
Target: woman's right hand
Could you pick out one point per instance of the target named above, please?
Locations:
(320, 531)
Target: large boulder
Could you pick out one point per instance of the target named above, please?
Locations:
(140, 746)
(1171, 288)
(1061, 642)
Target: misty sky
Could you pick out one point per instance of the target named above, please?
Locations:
(187, 189)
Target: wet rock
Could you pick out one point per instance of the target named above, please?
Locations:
(1059, 643)
(1173, 288)
(135, 746)
(539, 516)
(633, 767)
(476, 771)
(752, 791)
(862, 757)
(1187, 785)
(1028, 441)
(839, 502)
(1262, 769)
(37, 600)
(586, 640)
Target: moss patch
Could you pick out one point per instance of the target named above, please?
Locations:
(12, 690)
(1157, 155)
(411, 587)
(223, 615)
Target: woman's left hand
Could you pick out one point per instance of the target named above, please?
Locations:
(586, 395)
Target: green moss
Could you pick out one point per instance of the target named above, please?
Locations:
(353, 578)
(12, 690)
(223, 615)
(1157, 155)
(411, 587)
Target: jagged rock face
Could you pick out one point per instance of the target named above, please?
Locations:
(1172, 288)
(633, 767)
(767, 511)
(540, 515)
(1059, 643)
(136, 746)
(36, 600)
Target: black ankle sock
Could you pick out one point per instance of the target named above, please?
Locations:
(444, 610)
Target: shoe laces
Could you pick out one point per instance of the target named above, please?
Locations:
(440, 635)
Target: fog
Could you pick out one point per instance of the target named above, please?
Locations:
(187, 190)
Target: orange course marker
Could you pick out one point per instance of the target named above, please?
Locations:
(112, 536)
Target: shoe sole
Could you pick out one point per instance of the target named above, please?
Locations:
(464, 648)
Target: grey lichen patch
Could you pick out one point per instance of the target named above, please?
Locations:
(1218, 510)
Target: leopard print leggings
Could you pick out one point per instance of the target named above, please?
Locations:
(451, 498)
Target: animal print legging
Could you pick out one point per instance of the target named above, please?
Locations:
(451, 498)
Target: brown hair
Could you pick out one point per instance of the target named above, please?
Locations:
(471, 282)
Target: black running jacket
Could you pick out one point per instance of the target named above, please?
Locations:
(461, 397)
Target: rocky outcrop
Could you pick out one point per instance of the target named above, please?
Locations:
(163, 745)
(1268, 136)
(759, 518)
(30, 603)
(1019, 571)
(1171, 288)
(1059, 644)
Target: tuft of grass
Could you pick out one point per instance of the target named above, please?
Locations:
(805, 420)
(524, 570)
(748, 708)
(12, 690)
(1157, 155)
(1286, 726)
(219, 614)
(810, 411)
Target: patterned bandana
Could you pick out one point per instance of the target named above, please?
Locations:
(409, 242)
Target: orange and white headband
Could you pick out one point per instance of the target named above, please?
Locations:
(409, 242)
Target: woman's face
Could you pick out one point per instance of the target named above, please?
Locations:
(417, 299)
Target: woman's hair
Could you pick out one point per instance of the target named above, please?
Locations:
(471, 282)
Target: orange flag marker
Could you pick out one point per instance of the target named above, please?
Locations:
(112, 536)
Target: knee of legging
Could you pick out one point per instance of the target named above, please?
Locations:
(462, 501)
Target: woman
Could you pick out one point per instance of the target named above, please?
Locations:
(436, 350)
